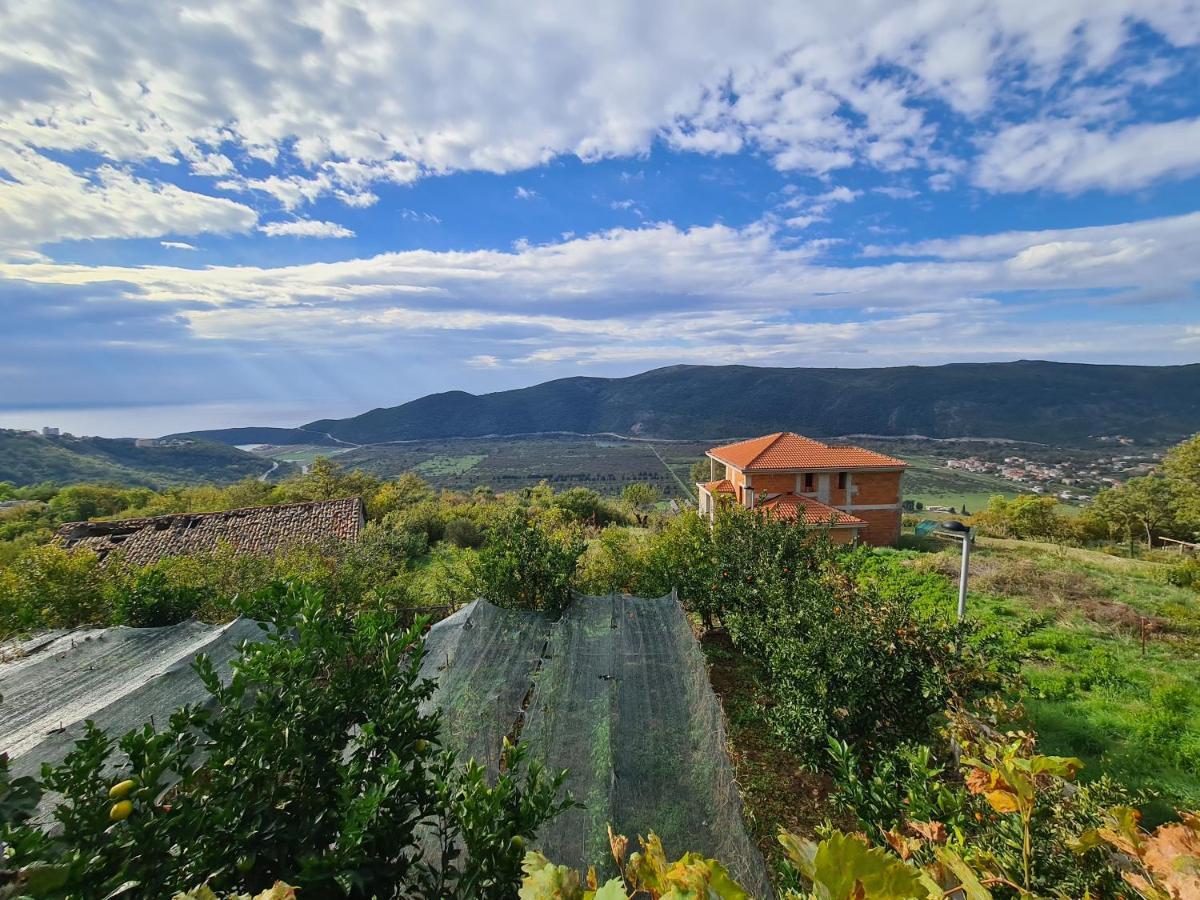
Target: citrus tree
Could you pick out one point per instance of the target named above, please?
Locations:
(525, 565)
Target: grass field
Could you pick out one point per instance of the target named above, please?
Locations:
(300, 454)
(929, 481)
(448, 465)
(1078, 616)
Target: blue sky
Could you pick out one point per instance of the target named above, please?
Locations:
(258, 213)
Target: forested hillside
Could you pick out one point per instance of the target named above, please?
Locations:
(1027, 400)
(30, 459)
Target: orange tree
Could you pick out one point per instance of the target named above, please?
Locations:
(524, 564)
(842, 658)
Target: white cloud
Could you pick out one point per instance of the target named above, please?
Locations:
(42, 201)
(338, 99)
(897, 193)
(306, 228)
(1066, 156)
(815, 208)
(725, 292)
(629, 205)
(413, 215)
(941, 181)
(524, 193)
(178, 245)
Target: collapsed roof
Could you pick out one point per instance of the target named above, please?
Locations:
(254, 529)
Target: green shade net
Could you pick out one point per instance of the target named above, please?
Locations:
(617, 693)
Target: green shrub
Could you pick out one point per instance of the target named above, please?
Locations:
(586, 507)
(611, 562)
(152, 599)
(427, 517)
(922, 784)
(49, 587)
(1185, 573)
(463, 533)
(850, 655)
(1162, 726)
(525, 565)
(449, 579)
(682, 556)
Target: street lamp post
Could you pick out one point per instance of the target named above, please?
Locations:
(967, 540)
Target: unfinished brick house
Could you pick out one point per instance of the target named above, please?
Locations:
(255, 529)
(855, 492)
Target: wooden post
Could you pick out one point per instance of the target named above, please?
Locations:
(1143, 635)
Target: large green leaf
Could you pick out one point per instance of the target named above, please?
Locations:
(847, 869)
(545, 881)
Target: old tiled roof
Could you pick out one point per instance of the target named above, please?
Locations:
(255, 529)
(814, 512)
(721, 486)
(784, 451)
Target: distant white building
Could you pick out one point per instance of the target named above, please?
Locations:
(50, 431)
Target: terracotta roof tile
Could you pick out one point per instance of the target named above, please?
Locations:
(255, 529)
(721, 486)
(784, 450)
(814, 512)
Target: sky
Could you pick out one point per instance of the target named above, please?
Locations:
(263, 213)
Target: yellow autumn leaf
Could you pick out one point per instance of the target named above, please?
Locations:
(1003, 801)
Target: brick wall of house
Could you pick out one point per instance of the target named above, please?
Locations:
(738, 479)
(876, 487)
(869, 489)
(843, 535)
(883, 526)
(837, 495)
(773, 484)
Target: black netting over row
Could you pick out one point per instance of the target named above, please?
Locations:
(483, 659)
(621, 699)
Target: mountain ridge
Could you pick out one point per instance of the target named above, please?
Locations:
(1033, 400)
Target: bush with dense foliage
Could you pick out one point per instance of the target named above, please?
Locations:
(314, 765)
(48, 587)
(841, 656)
(1028, 517)
(524, 564)
(1009, 804)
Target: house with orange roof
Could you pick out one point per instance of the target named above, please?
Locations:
(852, 491)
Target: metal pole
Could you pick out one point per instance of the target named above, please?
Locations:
(962, 577)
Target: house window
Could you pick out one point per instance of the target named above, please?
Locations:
(808, 481)
(841, 481)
